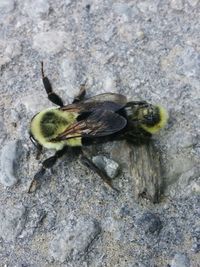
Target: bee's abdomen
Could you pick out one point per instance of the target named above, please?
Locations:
(50, 124)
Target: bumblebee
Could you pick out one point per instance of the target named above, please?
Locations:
(101, 118)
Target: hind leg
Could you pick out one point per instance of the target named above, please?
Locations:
(89, 164)
(46, 164)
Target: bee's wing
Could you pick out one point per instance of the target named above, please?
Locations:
(104, 122)
(111, 97)
(99, 123)
(108, 101)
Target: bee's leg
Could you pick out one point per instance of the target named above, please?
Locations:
(53, 97)
(88, 163)
(46, 164)
(138, 139)
(39, 151)
(37, 145)
(137, 103)
(81, 94)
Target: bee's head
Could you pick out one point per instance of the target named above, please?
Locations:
(153, 118)
(149, 115)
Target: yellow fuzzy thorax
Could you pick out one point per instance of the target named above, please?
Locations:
(161, 124)
(67, 117)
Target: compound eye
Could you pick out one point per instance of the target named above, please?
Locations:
(149, 117)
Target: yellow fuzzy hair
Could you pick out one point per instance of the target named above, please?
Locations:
(161, 124)
(35, 130)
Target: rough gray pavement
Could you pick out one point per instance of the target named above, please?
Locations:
(144, 49)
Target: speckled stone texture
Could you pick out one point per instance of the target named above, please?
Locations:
(144, 49)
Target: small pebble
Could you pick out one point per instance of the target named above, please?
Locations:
(180, 260)
(109, 166)
(177, 4)
(12, 220)
(37, 8)
(73, 239)
(49, 42)
(6, 6)
(150, 223)
(9, 50)
(9, 162)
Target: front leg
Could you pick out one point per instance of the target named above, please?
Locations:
(46, 164)
(37, 145)
(53, 97)
(81, 94)
(137, 103)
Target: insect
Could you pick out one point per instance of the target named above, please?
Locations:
(101, 118)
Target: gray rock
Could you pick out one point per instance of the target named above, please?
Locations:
(36, 9)
(10, 155)
(74, 239)
(70, 78)
(149, 223)
(181, 160)
(12, 221)
(2, 128)
(196, 239)
(14, 116)
(9, 49)
(68, 2)
(109, 166)
(188, 182)
(123, 9)
(148, 6)
(193, 3)
(146, 50)
(180, 260)
(35, 102)
(34, 219)
(107, 33)
(6, 6)
(109, 83)
(177, 4)
(188, 62)
(50, 42)
(183, 63)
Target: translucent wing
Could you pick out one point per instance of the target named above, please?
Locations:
(112, 97)
(108, 101)
(99, 123)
